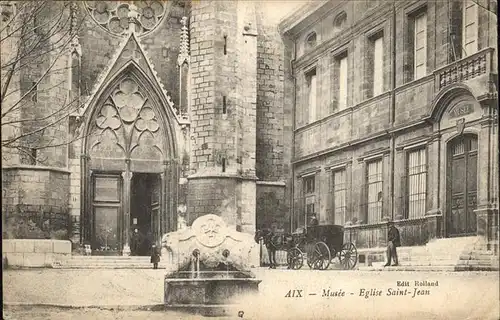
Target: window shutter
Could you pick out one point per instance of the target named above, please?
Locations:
(470, 27)
(420, 45)
(378, 66)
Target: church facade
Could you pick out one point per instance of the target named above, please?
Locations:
(180, 112)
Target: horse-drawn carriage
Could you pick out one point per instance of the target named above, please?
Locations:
(318, 246)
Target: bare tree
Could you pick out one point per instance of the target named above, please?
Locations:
(37, 41)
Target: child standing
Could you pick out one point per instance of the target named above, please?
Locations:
(155, 256)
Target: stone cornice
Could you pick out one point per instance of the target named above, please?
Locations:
(309, 171)
(374, 154)
(271, 183)
(415, 142)
(292, 20)
(222, 176)
(35, 168)
(341, 164)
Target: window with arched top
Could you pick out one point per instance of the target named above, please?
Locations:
(311, 40)
(340, 21)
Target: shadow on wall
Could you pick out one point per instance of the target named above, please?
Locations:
(35, 227)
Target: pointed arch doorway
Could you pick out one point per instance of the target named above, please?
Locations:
(128, 168)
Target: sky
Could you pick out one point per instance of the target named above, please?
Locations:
(277, 9)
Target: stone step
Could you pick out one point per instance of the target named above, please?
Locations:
(108, 262)
(107, 266)
(110, 257)
(431, 263)
(105, 262)
(408, 268)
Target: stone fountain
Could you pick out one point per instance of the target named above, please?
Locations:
(209, 267)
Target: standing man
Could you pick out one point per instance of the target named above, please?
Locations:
(314, 221)
(393, 241)
(136, 242)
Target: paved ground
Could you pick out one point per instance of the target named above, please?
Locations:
(458, 295)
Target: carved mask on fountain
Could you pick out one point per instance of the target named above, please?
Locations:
(214, 243)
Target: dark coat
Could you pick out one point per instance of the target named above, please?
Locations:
(314, 222)
(393, 235)
(155, 255)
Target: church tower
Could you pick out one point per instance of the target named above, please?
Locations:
(223, 97)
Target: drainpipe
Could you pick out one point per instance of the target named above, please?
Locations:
(292, 73)
(393, 103)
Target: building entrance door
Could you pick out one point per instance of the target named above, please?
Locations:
(144, 212)
(462, 186)
(106, 214)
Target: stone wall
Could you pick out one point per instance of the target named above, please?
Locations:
(36, 187)
(272, 206)
(162, 46)
(270, 111)
(29, 253)
(39, 196)
(212, 196)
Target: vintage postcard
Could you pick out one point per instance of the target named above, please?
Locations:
(244, 159)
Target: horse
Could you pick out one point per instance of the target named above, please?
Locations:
(273, 242)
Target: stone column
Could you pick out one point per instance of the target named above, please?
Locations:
(83, 195)
(487, 209)
(433, 174)
(399, 192)
(127, 178)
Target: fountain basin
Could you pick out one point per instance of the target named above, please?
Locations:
(210, 293)
(208, 269)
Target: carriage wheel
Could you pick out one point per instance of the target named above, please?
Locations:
(348, 256)
(295, 258)
(319, 257)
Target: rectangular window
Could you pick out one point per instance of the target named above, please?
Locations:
(456, 30)
(378, 66)
(470, 27)
(416, 183)
(420, 45)
(309, 185)
(339, 197)
(311, 91)
(342, 84)
(374, 196)
(310, 206)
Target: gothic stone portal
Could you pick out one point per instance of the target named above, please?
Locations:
(128, 173)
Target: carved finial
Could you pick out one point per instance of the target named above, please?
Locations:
(133, 15)
(75, 40)
(184, 43)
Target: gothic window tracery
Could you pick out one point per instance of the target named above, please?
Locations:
(126, 126)
(113, 15)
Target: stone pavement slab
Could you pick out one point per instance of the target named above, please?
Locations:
(84, 287)
(459, 295)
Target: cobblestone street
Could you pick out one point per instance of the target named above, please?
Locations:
(457, 296)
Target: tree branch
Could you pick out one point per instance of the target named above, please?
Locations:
(35, 85)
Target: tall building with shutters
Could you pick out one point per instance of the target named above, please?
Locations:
(395, 118)
(181, 112)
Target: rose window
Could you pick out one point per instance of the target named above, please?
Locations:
(113, 15)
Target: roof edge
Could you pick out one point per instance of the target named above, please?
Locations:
(294, 18)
